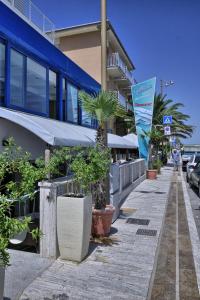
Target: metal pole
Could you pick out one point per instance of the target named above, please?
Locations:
(103, 46)
(47, 160)
(161, 87)
(104, 78)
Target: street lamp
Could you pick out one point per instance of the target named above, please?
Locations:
(165, 83)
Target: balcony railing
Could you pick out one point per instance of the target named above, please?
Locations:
(34, 16)
(114, 60)
(122, 100)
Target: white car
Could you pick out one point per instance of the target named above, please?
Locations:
(191, 164)
(186, 157)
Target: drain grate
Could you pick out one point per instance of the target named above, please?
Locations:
(148, 232)
(138, 221)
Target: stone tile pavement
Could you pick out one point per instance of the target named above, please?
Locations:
(122, 270)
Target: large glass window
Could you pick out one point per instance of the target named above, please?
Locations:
(64, 96)
(17, 79)
(72, 103)
(52, 95)
(2, 72)
(36, 92)
(86, 119)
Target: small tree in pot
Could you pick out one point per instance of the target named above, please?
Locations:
(104, 107)
(91, 166)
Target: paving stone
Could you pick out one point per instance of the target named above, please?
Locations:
(120, 271)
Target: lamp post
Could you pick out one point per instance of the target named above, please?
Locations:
(165, 83)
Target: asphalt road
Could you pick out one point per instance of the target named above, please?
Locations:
(195, 203)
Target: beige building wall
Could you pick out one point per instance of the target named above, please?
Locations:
(85, 51)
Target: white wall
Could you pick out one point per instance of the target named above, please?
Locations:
(24, 138)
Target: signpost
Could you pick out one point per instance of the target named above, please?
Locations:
(167, 120)
(167, 130)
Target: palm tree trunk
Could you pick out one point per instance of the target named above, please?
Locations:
(99, 189)
(100, 137)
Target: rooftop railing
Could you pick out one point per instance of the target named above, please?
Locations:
(114, 60)
(34, 16)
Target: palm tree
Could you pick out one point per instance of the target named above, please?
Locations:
(104, 107)
(179, 126)
(162, 107)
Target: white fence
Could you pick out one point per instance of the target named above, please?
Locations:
(123, 178)
(34, 16)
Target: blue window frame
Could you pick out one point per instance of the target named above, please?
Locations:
(17, 82)
(2, 72)
(36, 87)
(53, 104)
(72, 103)
(31, 86)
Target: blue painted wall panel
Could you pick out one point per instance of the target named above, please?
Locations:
(32, 43)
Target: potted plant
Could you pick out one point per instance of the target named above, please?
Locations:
(155, 137)
(103, 107)
(91, 167)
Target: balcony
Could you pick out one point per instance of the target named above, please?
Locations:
(118, 70)
(30, 13)
(123, 101)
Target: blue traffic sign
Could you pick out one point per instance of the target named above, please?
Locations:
(167, 119)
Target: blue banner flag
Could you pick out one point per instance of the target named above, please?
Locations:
(143, 101)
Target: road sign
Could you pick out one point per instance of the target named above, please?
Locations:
(167, 119)
(167, 130)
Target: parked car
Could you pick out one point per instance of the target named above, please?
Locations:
(185, 159)
(194, 179)
(191, 164)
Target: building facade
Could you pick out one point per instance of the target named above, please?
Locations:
(35, 76)
(83, 45)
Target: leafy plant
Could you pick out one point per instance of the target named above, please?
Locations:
(8, 228)
(157, 164)
(90, 166)
(103, 106)
(19, 177)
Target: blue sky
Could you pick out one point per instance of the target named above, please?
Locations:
(162, 37)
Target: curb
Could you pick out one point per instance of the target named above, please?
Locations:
(194, 237)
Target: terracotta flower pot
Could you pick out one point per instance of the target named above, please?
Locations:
(102, 220)
(151, 174)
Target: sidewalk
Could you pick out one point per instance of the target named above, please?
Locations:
(122, 270)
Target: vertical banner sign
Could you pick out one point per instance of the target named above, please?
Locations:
(143, 101)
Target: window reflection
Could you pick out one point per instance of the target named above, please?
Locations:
(86, 119)
(72, 103)
(2, 72)
(36, 87)
(17, 79)
(52, 95)
(64, 95)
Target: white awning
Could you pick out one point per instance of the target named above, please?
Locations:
(131, 137)
(57, 133)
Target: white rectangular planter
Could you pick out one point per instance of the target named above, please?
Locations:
(2, 277)
(74, 218)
